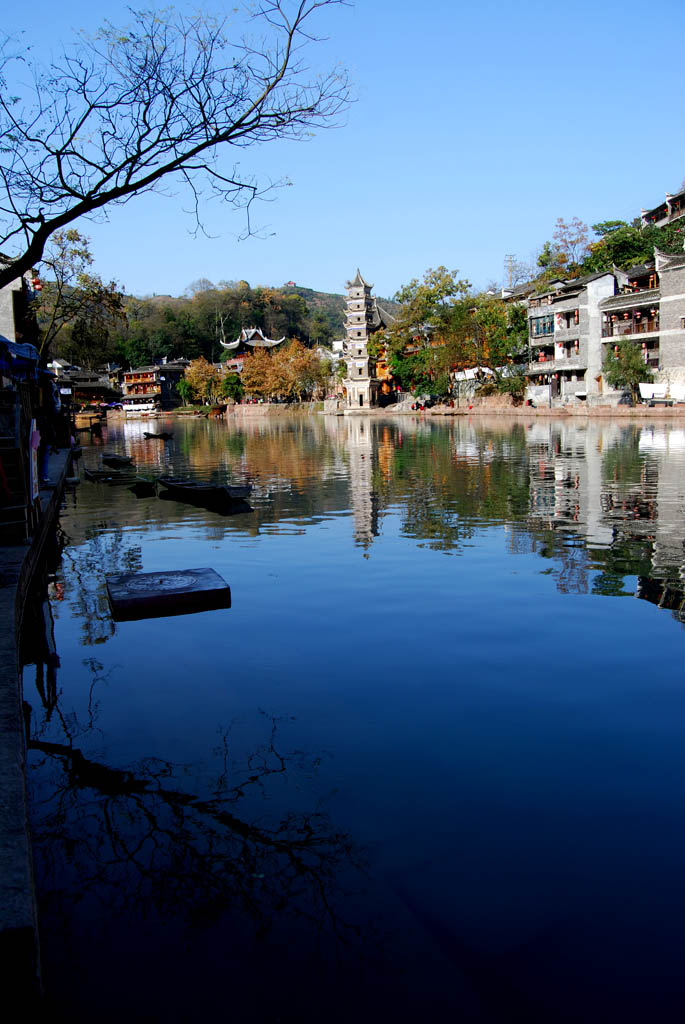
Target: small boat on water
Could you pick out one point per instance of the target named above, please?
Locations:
(112, 459)
(100, 476)
(144, 488)
(163, 435)
(195, 490)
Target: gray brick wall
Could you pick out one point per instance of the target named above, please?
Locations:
(671, 319)
(7, 328)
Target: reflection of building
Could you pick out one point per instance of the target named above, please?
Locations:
(363, 500)
(363, 318)
(565, 479)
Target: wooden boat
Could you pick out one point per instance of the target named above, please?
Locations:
(112, 459)
(144, 488)
(100, 476)
(195, 490)
(162, 436)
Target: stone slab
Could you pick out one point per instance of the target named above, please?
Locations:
(147, 595)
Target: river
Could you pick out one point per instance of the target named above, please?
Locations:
(428, 766)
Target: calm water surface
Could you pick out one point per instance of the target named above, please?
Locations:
(430, 765)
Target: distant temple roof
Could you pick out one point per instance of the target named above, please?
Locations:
(358, 282)
(380, 317)
(253, 337)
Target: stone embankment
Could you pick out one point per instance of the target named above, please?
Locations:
(502, 405)
(19, 951)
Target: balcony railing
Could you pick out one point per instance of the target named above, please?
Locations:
(619, 328)
(566, 362)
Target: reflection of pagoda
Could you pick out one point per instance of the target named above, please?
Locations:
(249, 339)
(364, 501)
(364, 316)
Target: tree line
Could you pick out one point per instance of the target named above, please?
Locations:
(289, 373)
(89, 322)
(443, 326)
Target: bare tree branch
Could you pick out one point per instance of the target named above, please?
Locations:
(128, 109)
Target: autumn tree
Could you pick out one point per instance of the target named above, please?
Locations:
(290, 373)
(307, 373)
(256, 375)
(564, 255)
(152, 103)
(571, 238)
(204, 379)
(75, 310)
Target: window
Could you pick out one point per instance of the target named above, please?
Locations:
(541, 325)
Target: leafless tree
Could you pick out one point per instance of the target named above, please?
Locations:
(133, 109)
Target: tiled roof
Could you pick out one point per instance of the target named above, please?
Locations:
(644, 298)
(358, 281)
(253, 337)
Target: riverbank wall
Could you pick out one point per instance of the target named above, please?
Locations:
(502, 405)
(19, 946)
(493, 405)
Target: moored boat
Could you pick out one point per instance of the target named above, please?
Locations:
(112, 459)
(196, 490)
(104, 475)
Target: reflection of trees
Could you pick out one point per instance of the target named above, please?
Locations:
(553, 485)
(135, 837)
(623, 464)
(447, 484)
(105, 550)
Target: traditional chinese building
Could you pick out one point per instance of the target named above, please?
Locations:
(247, 341)
(363, 318)
(147, 388)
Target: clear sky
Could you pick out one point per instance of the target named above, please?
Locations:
(474, 127)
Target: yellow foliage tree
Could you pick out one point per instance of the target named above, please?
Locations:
(204, 379)
(290, 373)
(256, 374)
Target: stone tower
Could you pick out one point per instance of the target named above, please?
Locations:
(362, 318)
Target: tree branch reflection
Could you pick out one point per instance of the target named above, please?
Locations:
(134, 837)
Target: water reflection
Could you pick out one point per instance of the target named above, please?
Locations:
(430, 604)
(601, 499)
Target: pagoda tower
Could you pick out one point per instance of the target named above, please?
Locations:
(362, 318)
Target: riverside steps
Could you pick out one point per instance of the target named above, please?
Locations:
(19, 950)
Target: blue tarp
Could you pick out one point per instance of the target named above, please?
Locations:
(18, 360)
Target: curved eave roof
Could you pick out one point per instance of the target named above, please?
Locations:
(358, 281)
(264, 342)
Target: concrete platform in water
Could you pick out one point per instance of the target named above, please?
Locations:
(146, 595)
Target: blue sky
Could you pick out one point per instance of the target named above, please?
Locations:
(474, 127)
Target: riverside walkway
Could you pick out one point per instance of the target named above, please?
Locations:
(19, 950)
